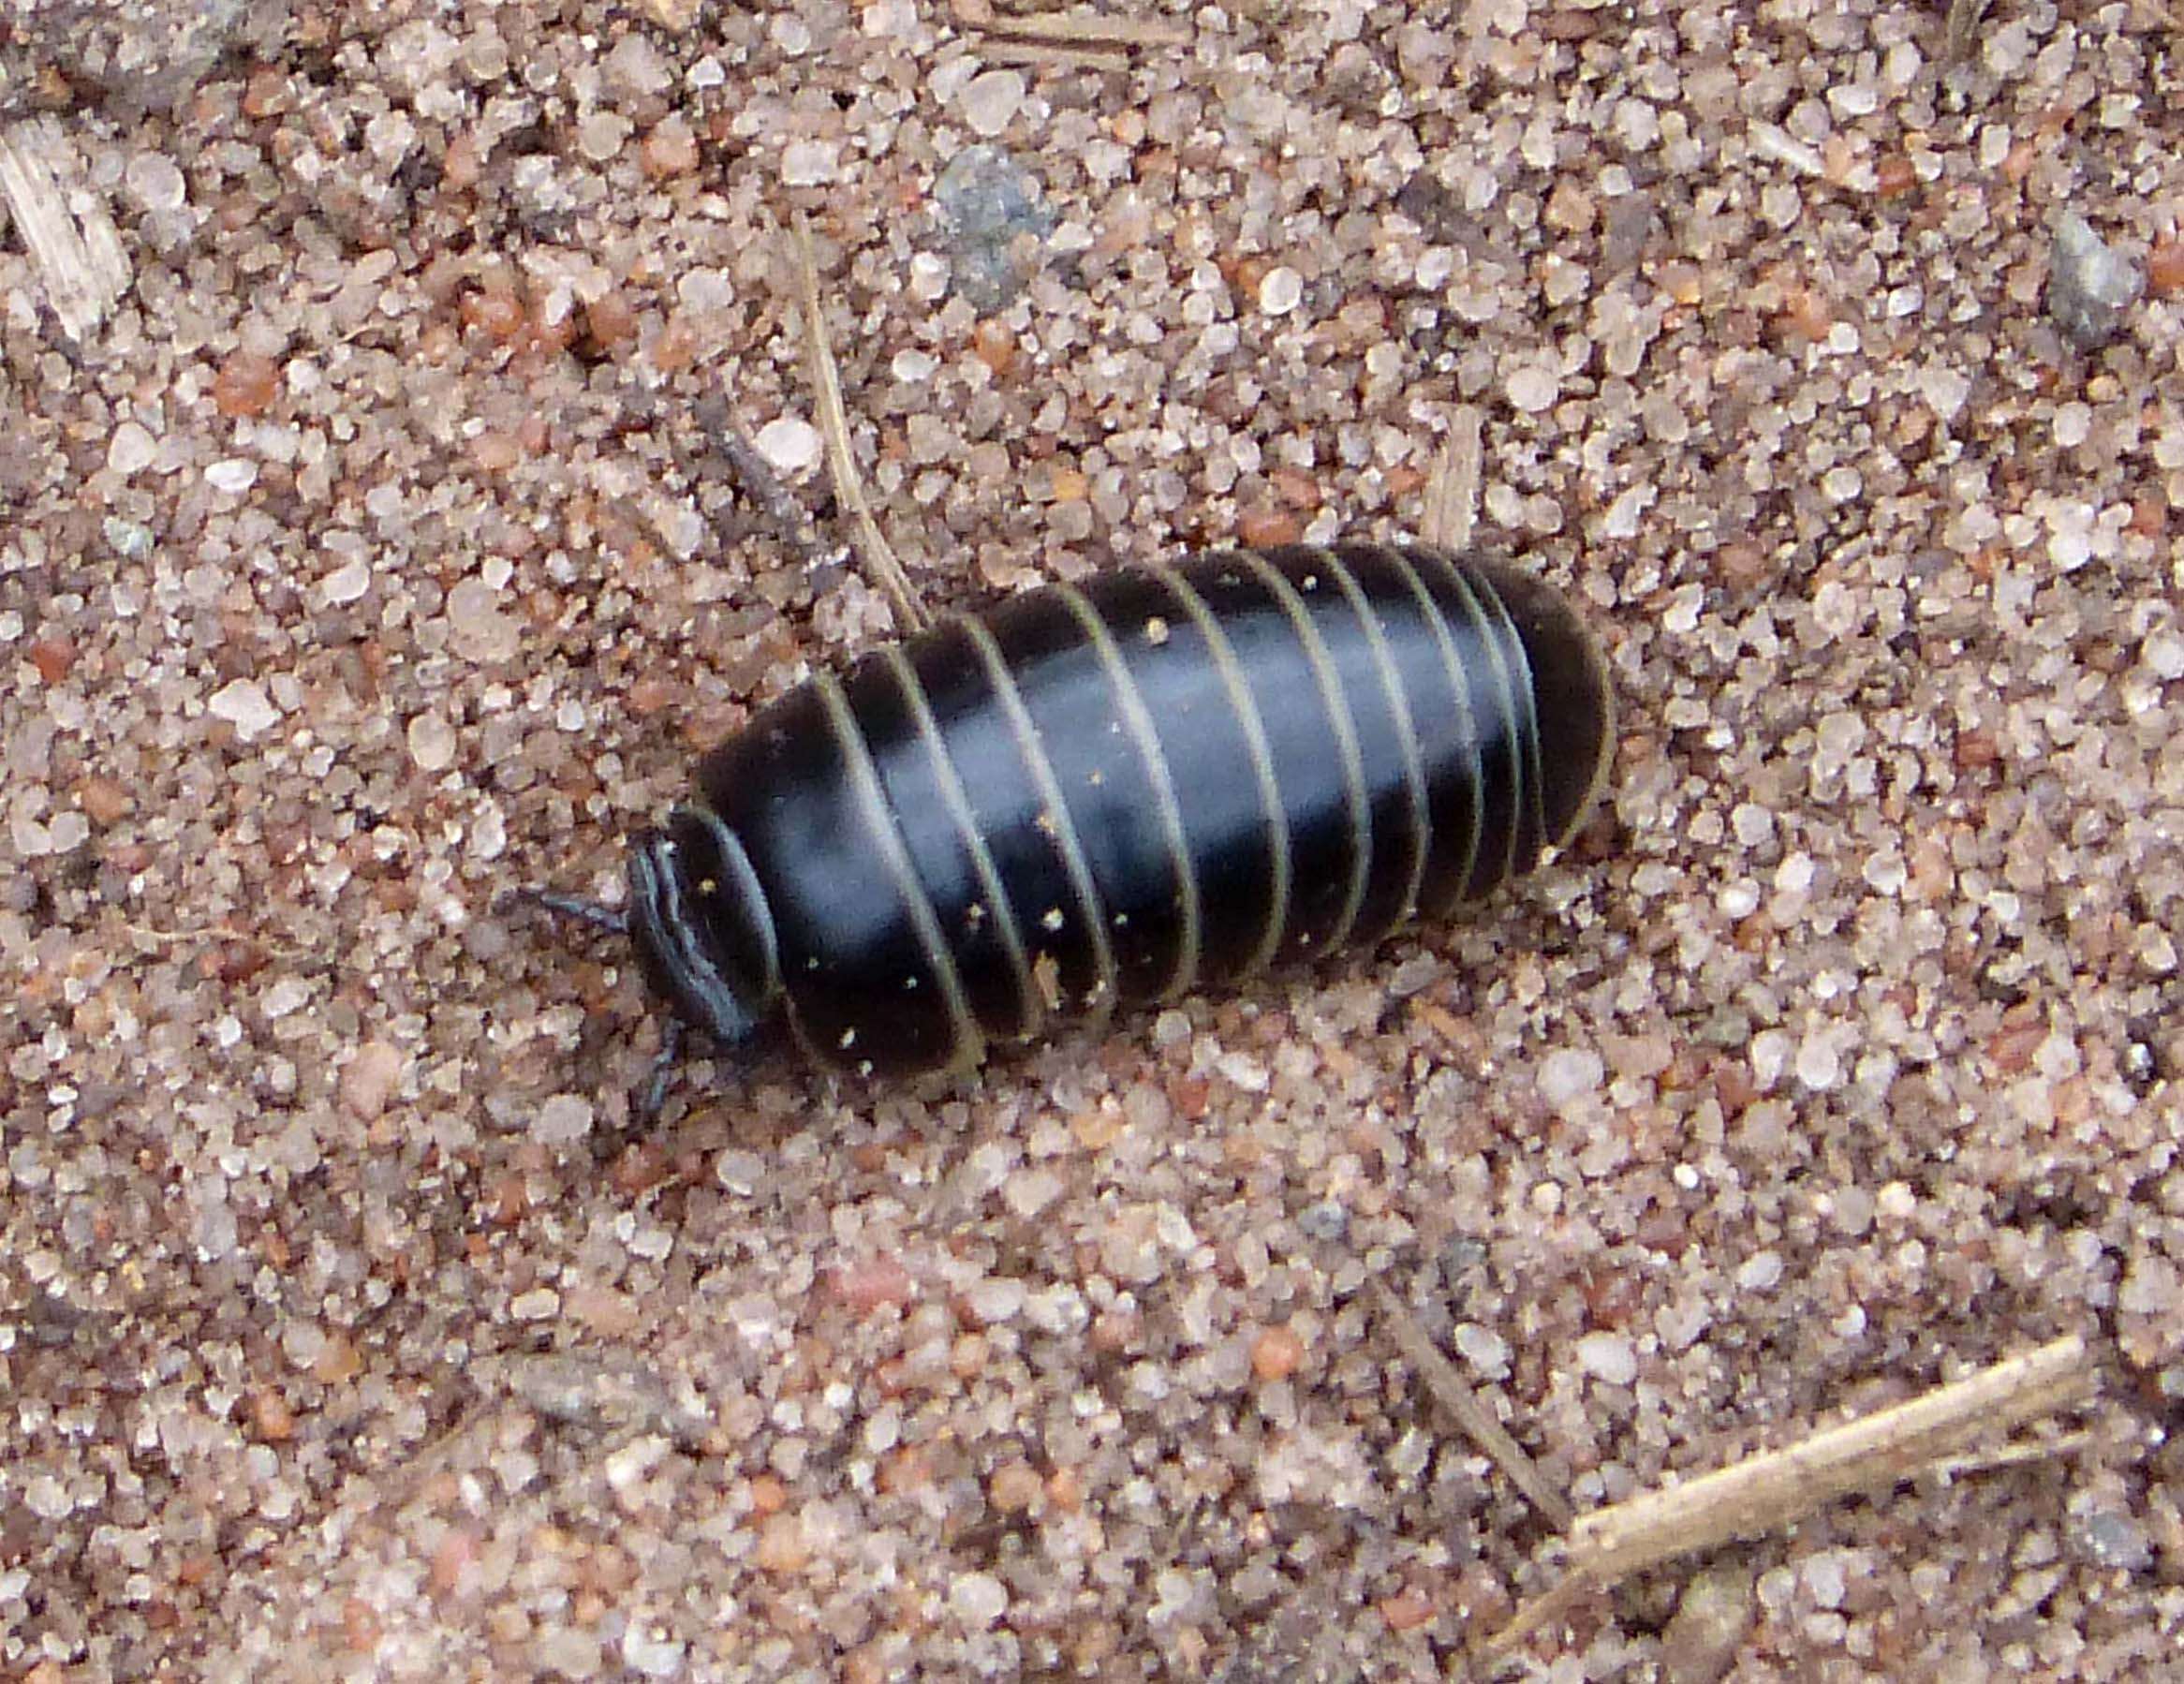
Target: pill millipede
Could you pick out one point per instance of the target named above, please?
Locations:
(1090, 798)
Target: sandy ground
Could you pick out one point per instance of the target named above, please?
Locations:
(361, 558)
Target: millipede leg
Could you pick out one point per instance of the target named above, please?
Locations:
(663, 1069)
(616, 922)
(755, 478)
(596, 914)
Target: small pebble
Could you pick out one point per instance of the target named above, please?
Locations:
(1569, 1074)
(652, 1654)
(602, 134)
(432, 743)
(994, 1300)
(636, 69)
(874, 1284)
(1280, 290)
(1532, 388)
(1761, 1271)
(346, 583)
(368, 1081)
(1608, 1357)
(562, 1120)
(1820, 1064)
(1015, 1487)
(289, 995)
(234, 476)
(47, 1499)
(790, 444)
(1703, 1637)
(991, 100)
(989, 202)
(155, 182)
(978, 1599)
(809, 163)
(1029, 1191)
(2091, 286)
(131, 449)
(1483, 1347)
(2115, 1537)
(105, 800)
(782, 1544)
(2163, 655)
(243, 703)
(130, 540)
(480, 631)
(1276, 1354)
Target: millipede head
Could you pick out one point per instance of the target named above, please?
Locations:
(703, 934)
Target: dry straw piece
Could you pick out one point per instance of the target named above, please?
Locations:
(1065, 39)
(71, 240)
(1451, 493)
(1468, 1410)
(1765, 1493)
(873, 549)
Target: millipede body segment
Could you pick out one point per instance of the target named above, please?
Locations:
(1100, 796)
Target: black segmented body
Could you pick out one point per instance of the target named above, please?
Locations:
(1109, 795)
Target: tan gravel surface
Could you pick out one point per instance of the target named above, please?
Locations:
(364, 559)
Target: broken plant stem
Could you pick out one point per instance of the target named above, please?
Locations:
(1768, 1491)
(873, 550)
(1777, 1488)
(1470, 1411)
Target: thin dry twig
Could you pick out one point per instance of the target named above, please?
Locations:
(215, 932)
(1038, 55)
(2011, 1456)
(1542, 1611)
(1067, 37)
(1452, 493)
(1960, 33)
(1777, 1488)
(873, 550)
(72, 241)
(1468, 1410)
(1766, 1492)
